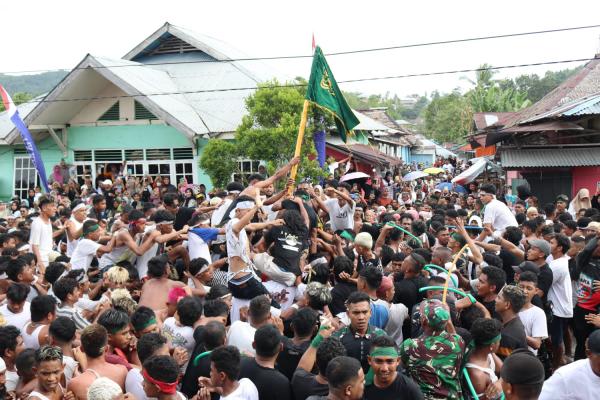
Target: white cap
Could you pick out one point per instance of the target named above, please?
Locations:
(107, 182)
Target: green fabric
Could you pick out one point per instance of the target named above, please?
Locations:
(384, 352)
(148, 323)
(323, 91)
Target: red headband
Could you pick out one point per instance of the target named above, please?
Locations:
(165, 387)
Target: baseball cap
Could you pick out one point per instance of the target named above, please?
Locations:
(563, 198)
(593, 226)
(526, 266)
(522, 367)
(542, 245)
(107, 182)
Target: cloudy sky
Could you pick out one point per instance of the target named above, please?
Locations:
(47, 35)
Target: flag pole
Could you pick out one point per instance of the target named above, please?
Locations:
(299, 140)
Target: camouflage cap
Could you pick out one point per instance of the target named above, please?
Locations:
(435, 314)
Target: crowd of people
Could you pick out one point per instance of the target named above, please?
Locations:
(378, 289)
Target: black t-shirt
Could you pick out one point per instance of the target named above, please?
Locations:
(403, 388)
(545, 281)
(508, 261)
(289, 357)
(271, 384)
(513, 337)
(490, 306)
(287, 247)
(110, 196)
(363, 263)
(189, 382)
(339, 295)
(304, 384)
(184, 214)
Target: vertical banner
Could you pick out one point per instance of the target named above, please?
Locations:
(30, 146)
(319, 140)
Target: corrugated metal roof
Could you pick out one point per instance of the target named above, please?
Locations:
(587, 107)
(517, 158)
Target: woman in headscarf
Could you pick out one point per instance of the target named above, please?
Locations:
(581, 200)
(56, 175)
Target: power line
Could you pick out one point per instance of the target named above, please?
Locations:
(413, 75)
(339, 53)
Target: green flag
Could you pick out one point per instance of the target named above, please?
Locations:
(324, 92)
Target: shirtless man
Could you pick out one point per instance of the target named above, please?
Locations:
(94, 340)
(155, 292)
(125, 242)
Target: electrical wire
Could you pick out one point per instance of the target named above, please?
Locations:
(339, 53)
(413, 75)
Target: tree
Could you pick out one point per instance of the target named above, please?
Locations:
(219, 160)
(448, 117)
(268, 132)
(18, 98)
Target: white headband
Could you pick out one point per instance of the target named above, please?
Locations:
(244, 205)
(164, 223)
(78, 207)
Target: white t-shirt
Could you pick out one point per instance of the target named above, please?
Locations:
(219, 213)
(72, 244)
(134, 384)
(198, 239)
(237, 245)
(179, 335)
(142, 261)
(534, 322)
(499, 215)
(12, 380)
(41, 235)
(18, 320)
(241, 335)
(83, 254)
(575, 381)
(70, 367)
(340, 217)
(561, 291)
(245, 391)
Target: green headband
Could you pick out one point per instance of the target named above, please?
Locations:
(493, 340)
(147, 324)
(200, 356)
(384, 352)
(91, 229)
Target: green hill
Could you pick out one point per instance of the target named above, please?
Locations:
(32, 84)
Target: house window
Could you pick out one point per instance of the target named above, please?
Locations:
(245, 169)
(26, 177)
(184, 170)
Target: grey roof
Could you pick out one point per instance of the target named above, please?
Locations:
(189, 96)
(522, 158)
(6, 125)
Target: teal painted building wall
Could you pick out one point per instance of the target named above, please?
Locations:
(98, 138)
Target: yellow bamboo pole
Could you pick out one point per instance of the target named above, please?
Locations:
(299, 140)
(451, 270)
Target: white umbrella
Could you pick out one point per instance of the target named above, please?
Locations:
(353, 175)
(411, 176)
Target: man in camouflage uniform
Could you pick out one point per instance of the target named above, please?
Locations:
(434, 359)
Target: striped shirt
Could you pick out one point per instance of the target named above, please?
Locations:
(73, 313)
